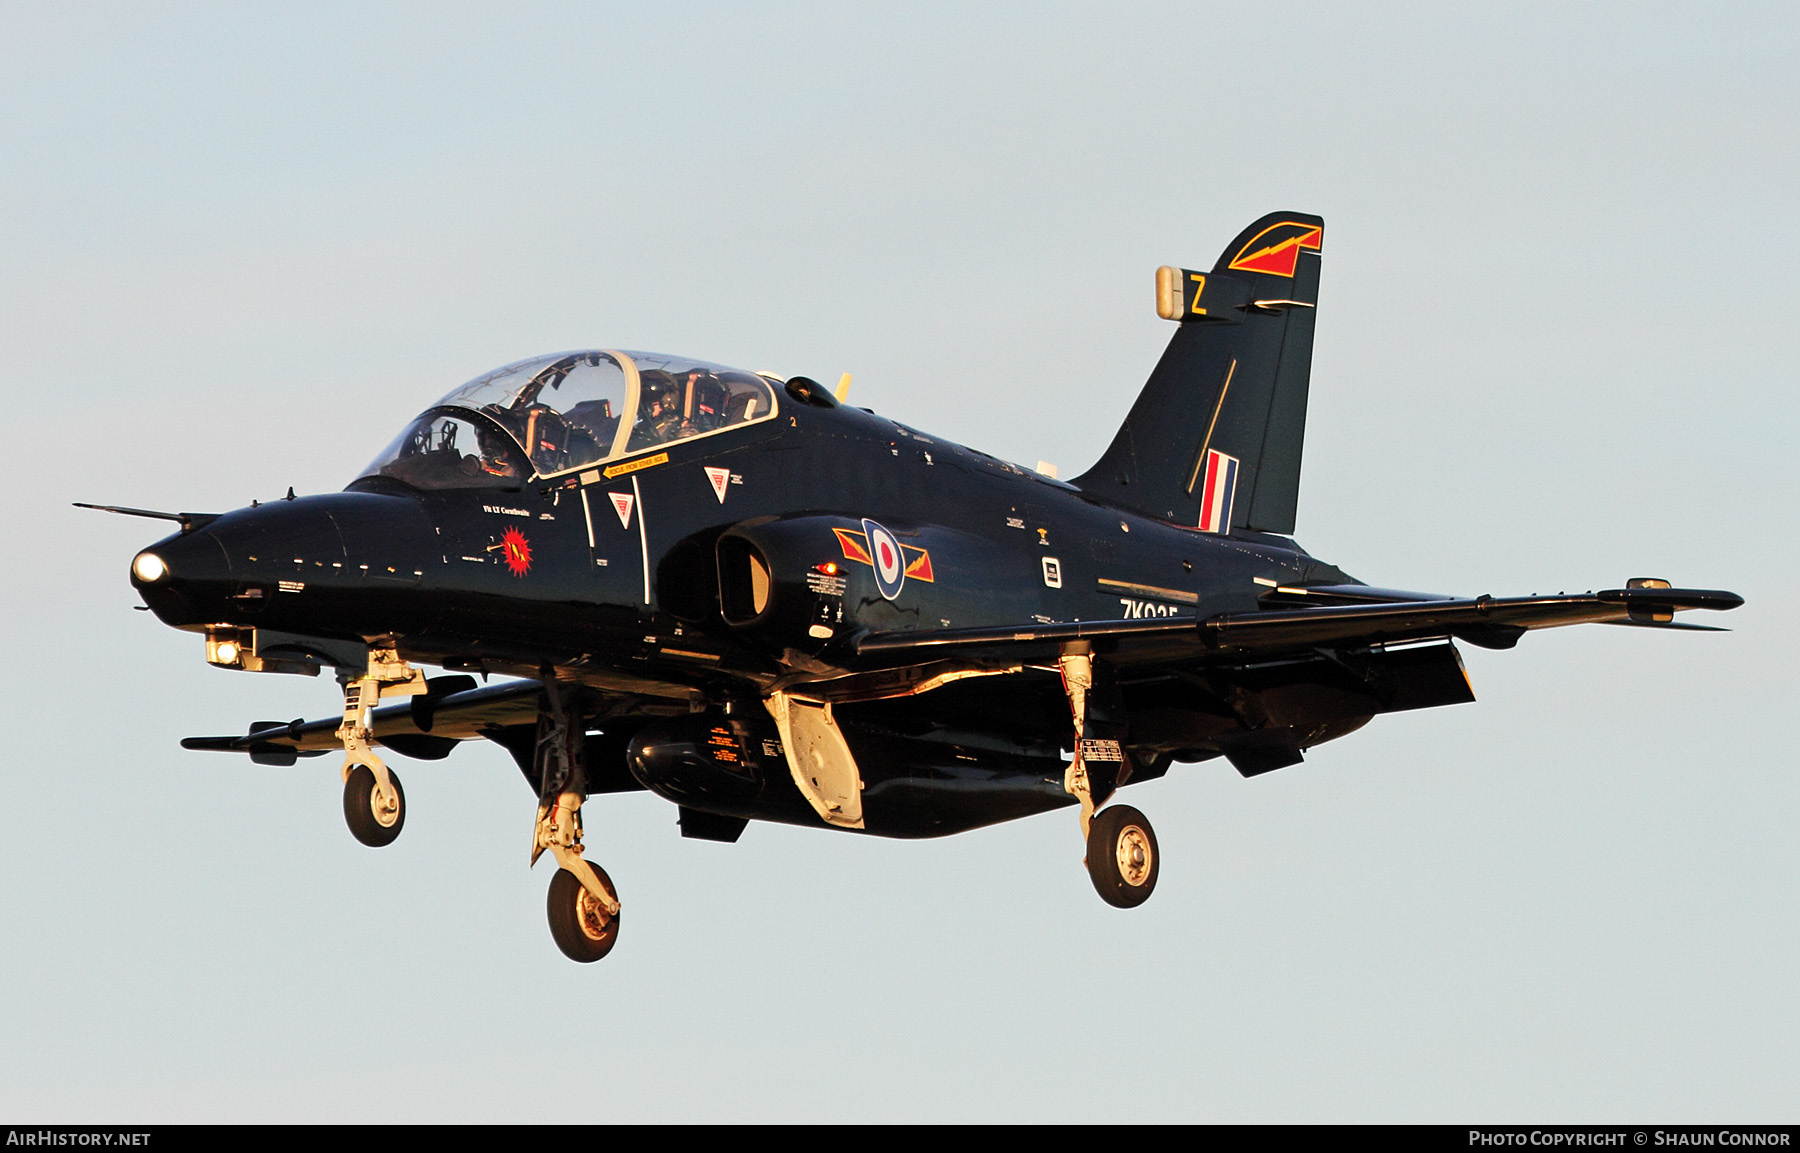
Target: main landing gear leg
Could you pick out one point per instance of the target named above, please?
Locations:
(582, 906)
(374, 804)
(1078, 679)
(1122, 857)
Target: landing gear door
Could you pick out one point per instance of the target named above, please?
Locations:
(824, 769)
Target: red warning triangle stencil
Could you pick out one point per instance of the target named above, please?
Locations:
(622, 502)
(720, 477)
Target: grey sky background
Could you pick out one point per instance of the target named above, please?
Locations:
(1556, 349)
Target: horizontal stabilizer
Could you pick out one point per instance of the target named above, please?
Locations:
(1490, 622)
(1682, 625)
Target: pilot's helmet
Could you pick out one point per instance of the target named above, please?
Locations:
(496, 453)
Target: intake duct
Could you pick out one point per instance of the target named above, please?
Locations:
(784, 582)
(746, 581)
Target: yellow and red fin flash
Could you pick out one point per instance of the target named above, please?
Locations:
(1276, 249)
(517, 551)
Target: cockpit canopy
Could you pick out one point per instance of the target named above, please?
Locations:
(567, 411)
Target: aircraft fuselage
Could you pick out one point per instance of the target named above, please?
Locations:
(623, 578)
(621, 572)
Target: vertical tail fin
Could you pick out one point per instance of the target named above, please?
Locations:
(1214, 439)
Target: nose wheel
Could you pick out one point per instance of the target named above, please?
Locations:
(374, 806)
(1122, 859)
(583, 928)
(375, 817)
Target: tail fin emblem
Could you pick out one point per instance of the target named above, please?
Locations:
(1220, 491)
(1276, 249)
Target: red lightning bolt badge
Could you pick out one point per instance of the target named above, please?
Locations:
(516, 550)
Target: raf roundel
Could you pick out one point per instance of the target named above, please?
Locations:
(890, 561)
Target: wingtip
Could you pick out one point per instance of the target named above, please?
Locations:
(1719, 600)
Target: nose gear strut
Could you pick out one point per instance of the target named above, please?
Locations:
(374, 809)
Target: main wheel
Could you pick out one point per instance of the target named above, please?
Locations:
(580, 923)
(1121, 858)
(371, 822)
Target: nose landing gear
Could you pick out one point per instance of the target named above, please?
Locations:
(374, 806)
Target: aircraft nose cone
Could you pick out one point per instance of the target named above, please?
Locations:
(179, 577)
(331, 564)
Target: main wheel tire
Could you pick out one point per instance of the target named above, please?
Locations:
(368, 821)
(578, 922)
(1122, 858)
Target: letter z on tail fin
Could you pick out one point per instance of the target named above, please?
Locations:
(1214, 439)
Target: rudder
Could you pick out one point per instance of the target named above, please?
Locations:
(1215, 438)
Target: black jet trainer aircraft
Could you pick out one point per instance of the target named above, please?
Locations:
(761, 603)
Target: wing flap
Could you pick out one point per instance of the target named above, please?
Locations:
(1135, 641)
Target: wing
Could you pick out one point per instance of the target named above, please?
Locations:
(430, 726)
(1300, 620)
(426, 727)
(1295, 622)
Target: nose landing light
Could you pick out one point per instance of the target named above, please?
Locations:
(228, 649)
(149, 568)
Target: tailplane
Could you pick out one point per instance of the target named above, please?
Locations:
(1214, 439)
